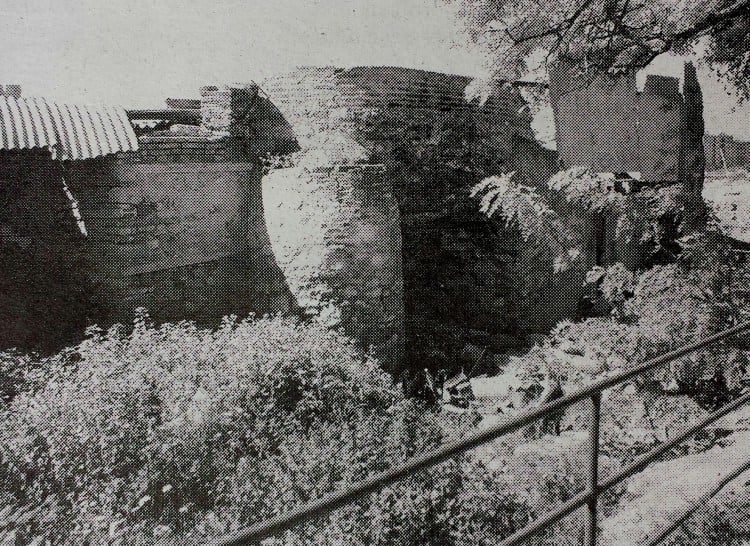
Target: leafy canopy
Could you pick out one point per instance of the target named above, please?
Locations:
(612, 35)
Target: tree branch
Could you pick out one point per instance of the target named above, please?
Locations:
(714, 19)
(564, 25)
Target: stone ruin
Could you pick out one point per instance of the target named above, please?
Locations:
(605, 123)
(465, 280)
(365, 223)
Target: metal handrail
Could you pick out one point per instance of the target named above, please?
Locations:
(592, 391)
(730, 476)
(638, 464)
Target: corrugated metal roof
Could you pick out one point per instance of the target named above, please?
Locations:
(69, 131)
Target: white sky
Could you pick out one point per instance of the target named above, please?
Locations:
(138, 52)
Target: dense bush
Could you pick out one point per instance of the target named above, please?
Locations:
(14, 368)
(177, 434)
(667, 306)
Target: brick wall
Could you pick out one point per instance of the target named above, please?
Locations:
(336, 235)
(465, 279)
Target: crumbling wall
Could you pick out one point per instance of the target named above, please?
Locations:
(335, 233)
(249, 123)
(466, 279)
(333, 225)
(178, 228)
(603, 122)
(373, 231)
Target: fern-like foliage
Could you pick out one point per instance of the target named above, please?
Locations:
(591, 190)
(522, 205)
(640, 216)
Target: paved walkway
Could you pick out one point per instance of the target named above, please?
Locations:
(658, 495)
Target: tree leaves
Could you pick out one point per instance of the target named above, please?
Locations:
(610, 35)
(592, 191)
(522, 206)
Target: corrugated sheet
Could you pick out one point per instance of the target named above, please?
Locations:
(69, 131)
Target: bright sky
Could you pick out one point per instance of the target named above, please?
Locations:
(137, 53)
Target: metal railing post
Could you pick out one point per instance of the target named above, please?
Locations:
(592, 487)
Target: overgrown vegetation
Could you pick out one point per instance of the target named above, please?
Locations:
(174, 434)
(521, 205)
(662, 308)
(650, 219)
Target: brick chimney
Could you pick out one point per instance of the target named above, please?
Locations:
(224, 108)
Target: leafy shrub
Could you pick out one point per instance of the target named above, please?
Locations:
(651, 218)
(671, 305)
(522, 205)
(617, 287)
(145, 428)
(177, 434)
(588, 189)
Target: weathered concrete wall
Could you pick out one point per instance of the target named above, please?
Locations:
(178, 228)
(603, 122)
(336, 236)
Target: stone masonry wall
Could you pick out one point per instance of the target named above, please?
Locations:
(466, 279)
(603, 122)
(335, 233)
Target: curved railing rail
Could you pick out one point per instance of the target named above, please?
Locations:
(588, 497)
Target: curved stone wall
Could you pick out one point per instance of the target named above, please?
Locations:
(466, 279)
(387, 108)
(335, 234)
